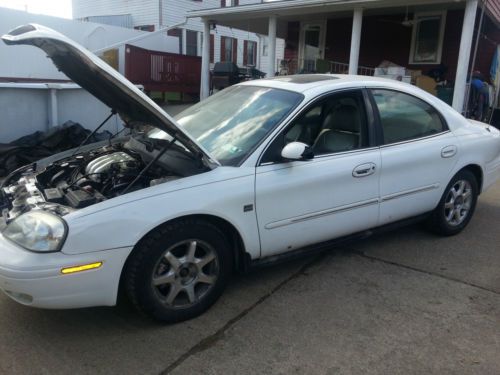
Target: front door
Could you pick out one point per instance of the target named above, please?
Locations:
(336, 193)
(311, 45)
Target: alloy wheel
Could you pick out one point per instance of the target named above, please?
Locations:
(458, 202)
(185, 273)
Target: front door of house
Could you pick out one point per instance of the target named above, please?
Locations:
(311, 45)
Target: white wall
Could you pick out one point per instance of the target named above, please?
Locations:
(174, 12)
(280, 53)
(30, 62)
(144, 12)
(25, 109)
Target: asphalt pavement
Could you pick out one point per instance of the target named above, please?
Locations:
(406, 302)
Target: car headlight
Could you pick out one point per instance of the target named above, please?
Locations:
(37, 231)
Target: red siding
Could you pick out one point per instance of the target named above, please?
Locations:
(383, 40)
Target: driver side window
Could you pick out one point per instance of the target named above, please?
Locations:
(337, 123)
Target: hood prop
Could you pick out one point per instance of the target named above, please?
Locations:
(150, 164)
(113, 112)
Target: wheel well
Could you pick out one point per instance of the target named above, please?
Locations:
(478, 173)
(240, 259)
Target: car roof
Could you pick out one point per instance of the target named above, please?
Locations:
(304, 82)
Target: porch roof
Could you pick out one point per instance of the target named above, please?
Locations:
(254, 17)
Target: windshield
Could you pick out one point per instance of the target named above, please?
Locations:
(231, 123)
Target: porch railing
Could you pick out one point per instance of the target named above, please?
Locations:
(161, 71)
(295, 66)
(343, 68)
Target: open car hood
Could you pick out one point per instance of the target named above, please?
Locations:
(102, 81)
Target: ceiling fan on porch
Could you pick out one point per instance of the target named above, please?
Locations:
(407, 22)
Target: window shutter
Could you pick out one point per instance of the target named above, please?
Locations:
(235, 51)
(245, 52)
(222, 48)
(222, 3)
(236, 3)
(212, 48)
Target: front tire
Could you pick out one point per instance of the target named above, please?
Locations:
(456, 206)
(178, 271)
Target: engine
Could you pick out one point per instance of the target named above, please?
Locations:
(79, 181)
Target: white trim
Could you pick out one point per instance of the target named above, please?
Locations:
(275, 7)
(442, 27)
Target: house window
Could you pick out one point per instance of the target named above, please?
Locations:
(191, 43)
(212, 47)
(427, 39)
(177, 33)
(250, 53)
(229, 3)
(228, 49)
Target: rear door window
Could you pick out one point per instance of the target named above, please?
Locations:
(404, 117)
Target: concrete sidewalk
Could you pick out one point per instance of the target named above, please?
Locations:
(405, 302)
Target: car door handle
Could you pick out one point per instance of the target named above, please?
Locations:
(449, 151)
(364, 170)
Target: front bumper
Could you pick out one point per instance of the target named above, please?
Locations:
(36, 280)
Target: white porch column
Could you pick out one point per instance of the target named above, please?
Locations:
(205, 62)
(53, 110)
(464, 55)
(184, 42)
(357, 22)
(271, 71)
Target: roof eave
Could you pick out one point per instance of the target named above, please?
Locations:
(266, 9)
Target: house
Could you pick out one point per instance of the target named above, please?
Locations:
(420, 35)
(239, 45)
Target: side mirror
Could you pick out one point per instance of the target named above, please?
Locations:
(297, 151)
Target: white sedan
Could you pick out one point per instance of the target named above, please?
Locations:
(262, 170)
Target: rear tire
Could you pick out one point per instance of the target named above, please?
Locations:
(178, 271)
(456, 206)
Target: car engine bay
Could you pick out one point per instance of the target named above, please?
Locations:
(90, 177)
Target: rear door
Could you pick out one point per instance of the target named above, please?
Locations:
(418, 152)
